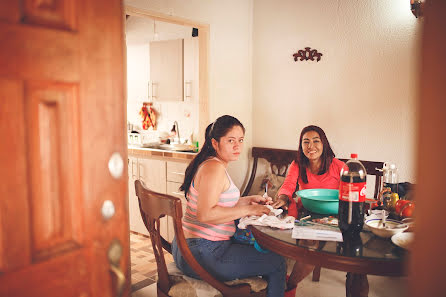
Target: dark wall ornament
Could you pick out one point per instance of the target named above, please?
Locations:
(307, 54)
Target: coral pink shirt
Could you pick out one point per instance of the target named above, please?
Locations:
(328, 180)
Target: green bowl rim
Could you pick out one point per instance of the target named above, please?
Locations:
(315, 198)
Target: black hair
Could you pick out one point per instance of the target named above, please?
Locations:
(326, 157)
(215, 130)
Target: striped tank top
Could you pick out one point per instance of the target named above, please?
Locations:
(213, 232)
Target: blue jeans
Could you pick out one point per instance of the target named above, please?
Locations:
(226, 260)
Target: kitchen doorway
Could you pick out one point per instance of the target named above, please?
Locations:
(145, 31)
(157, 23)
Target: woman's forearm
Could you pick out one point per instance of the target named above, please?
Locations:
(220, 214)
(284, 198)
(289, 185)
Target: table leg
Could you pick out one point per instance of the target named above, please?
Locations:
(356, 285)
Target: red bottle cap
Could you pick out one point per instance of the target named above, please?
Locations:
(354, 156)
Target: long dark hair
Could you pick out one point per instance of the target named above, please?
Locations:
(326, 157)
(215, 130)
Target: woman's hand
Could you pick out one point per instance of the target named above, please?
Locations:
(257, 210)
(282, 201)
(255, 199)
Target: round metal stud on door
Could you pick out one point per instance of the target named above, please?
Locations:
(108, 209)
(116, 165)
(114, 256)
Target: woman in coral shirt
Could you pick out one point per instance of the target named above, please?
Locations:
(315, 167)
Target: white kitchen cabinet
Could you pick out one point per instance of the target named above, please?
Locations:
(174, 178)
(166, 70)
(160, 176)
(153, 173)
(173, 190)
(135, 220)
(175, 171)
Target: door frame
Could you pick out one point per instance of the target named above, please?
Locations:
(203, 59)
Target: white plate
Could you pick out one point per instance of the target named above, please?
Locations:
(403, 240)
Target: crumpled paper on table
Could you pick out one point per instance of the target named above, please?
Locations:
(271, 220)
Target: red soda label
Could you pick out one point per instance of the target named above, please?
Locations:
(354, 192)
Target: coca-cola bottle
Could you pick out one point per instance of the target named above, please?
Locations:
(352, 192)
(351, 246)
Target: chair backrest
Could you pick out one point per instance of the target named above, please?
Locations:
(281, 159)
(373, 168)
(154, 206)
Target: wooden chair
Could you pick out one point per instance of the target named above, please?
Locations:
(154, 206)
(280, 159)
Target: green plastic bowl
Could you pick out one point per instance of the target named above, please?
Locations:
(322, 201)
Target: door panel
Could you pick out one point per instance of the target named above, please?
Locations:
(15, 243)
(53, 146)
(62, 116)
(9, 11)
(33, 55)
(40, 281)
(52, 13)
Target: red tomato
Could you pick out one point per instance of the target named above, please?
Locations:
(399, 206)
(408, 210)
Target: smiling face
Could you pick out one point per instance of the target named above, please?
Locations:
(312, 146)
(231, 145)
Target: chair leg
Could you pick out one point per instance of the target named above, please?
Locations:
(316, 273)
(300, 271)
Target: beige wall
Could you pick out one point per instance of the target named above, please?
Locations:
(362, 92)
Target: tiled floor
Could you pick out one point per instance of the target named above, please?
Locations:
(143, 263)
(332, 282)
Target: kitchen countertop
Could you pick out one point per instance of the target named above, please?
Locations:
(151, 152)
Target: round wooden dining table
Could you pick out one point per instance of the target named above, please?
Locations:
(374, 255)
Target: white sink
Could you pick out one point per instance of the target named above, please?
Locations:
(154, 145)
(177, 147)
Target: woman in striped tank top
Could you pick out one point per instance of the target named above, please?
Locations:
(213, 203)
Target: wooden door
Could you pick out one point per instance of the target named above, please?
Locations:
(428, 258)
(62, 116)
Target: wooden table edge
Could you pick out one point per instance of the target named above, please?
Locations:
(330, 261)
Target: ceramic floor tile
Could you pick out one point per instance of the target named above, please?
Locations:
(143, 263)
(331, 284)
(149, 291)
